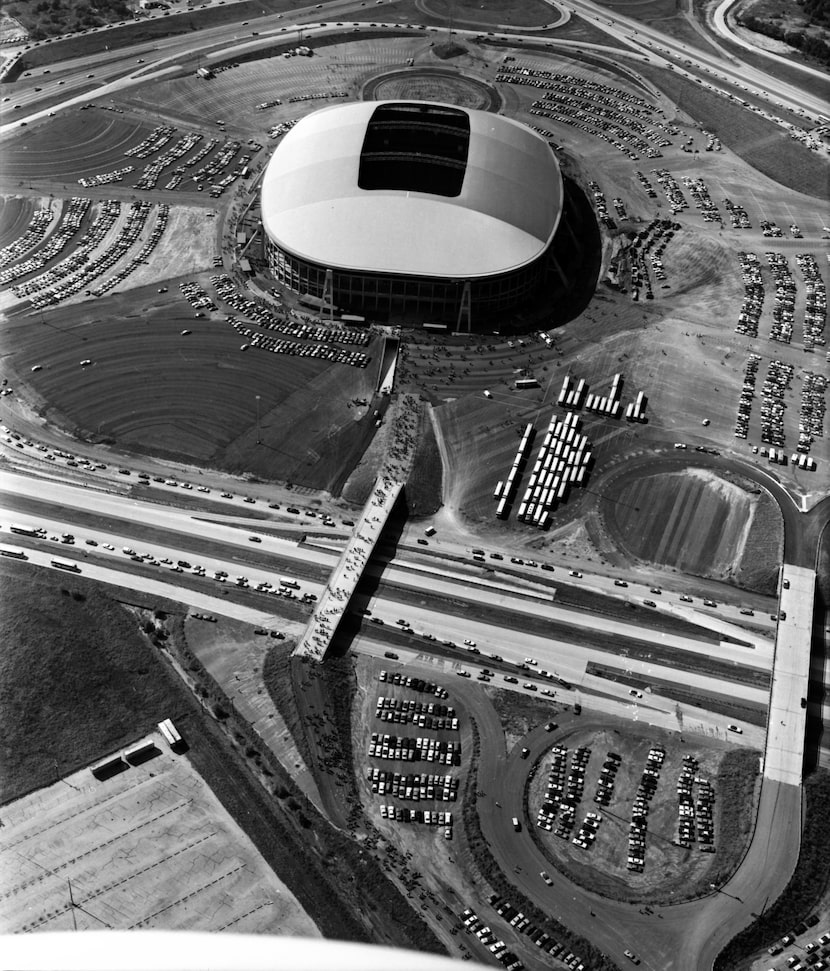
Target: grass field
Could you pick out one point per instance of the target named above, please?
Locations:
(90, 143)
(149, 848)
(671, 871)
(507, 13)
(77, 680)
(15, 215)
(760, 143)
(152, 389)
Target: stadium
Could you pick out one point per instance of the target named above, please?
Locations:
(413, 211)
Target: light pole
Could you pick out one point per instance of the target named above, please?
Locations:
(258, 440)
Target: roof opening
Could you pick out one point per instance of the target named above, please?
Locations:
(415, 147)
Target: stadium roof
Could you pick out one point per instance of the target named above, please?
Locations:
(346, 188)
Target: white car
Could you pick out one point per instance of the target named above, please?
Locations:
(546, 877)
(531, 660)
(469, 643)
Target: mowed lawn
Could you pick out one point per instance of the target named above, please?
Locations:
(75, 143)
(151, 388)
(682, 520)
(15, 215)
(518, 13)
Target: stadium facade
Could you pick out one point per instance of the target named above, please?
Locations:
(412, 210)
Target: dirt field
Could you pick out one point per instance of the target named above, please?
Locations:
(234, 656)
(90, 142)
(429, 839)
(669, 868)
(151, 847)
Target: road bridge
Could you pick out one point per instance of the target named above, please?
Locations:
(787, 719)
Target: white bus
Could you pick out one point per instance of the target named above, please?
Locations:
(69, 565)
(13, 551)
(289, 584)
(170, 733)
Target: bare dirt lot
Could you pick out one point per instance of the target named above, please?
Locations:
(151, 847)
(670, 869)
(697, 522)
(693, 521)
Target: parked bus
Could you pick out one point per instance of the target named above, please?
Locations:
(18, 554)
(69, 565)
(170, 733)
(289, 584)
(24, 530)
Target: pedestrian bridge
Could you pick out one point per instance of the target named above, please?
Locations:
(337, 595)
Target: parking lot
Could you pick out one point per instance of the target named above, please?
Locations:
(149, 847)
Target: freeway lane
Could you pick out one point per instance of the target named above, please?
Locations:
(513, 641)
(234, 533)
(643, 37)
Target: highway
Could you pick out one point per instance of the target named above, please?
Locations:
(183, 534)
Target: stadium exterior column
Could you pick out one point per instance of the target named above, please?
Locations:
(558, 268)
(328, 292)
(465, 309)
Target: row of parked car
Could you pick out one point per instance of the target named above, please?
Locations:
(737, 214)
(753, 302)
(815, 310)
(403, 711)
(778, 380)
(639, 811)
(405, 748)
(414, 786)
(626, 122)
(150, 175)
(783, 310)
(747, 396)
(813, 407)
(544, 941)
(72, 214)
(33, 234)
(699, 191)
(695, 817)
(290, 324)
